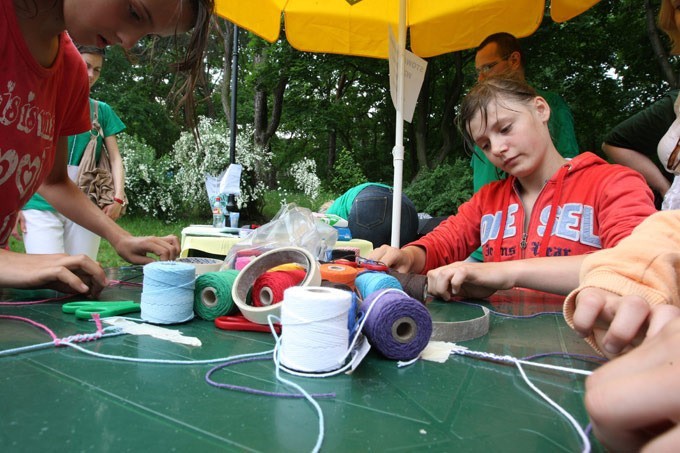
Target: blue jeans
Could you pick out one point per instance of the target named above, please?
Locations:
(371, 217)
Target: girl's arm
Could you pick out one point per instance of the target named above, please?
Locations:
(557, 275)
(641, 163)
(65, 196)
(118, 171)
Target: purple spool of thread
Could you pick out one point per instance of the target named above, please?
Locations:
(398, 326)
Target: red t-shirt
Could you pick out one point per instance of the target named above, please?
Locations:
(37, 106)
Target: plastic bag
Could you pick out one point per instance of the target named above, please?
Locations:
(291, 226)
(225, 184)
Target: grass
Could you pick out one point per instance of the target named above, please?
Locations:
(137, 226)
(147, 226)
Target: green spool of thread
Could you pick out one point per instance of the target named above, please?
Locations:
(212, 296)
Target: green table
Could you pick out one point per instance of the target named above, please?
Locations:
(58, 399)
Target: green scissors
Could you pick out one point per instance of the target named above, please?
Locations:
(85, 309)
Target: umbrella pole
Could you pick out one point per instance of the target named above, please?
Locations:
(398, 150)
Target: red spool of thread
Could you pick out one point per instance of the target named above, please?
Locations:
(268, 288)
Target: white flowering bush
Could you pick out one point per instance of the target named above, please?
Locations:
(303, 173)
(148, 181)
(211, 155)
(173, 186)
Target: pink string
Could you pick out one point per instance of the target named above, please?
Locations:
(33, 323)
(34, 302)
(78, 338)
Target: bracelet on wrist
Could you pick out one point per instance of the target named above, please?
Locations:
(119, 201)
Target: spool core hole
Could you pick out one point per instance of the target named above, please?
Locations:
(209, 296)
(404, 329)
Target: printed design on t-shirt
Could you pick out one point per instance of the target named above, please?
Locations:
(6, 229)
(8, 164)
(575, 222)
(27, 174)
(26, 116)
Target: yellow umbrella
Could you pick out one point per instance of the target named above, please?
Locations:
(360, 28)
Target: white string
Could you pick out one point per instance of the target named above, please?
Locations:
(164, 361)
(509, 359)
(308, 397)
(560, 409)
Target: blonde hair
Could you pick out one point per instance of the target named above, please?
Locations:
(668, 25)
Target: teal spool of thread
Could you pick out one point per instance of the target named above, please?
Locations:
(212, 297)
(369, 282)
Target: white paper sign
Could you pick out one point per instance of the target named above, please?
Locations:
(414, 74)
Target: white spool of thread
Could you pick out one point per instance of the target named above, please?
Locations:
(168, 292)
(314, 335)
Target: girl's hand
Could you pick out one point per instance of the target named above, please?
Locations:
(113, 210)
(19, 227)
(135, 249)
(65, 273)
(401, 260)
(465, 279)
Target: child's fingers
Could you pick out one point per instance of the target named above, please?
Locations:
(589, 304)
(628, 408)
(660, 316)
(630, 318)
(649, 354)
(668, 441)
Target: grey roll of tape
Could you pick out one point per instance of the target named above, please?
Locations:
(461, 330)
(202, 265)
(247, 276)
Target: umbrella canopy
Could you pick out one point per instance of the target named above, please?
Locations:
(360, 28)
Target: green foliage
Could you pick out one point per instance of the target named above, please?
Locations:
(138, 92)
(346, 173)
(440, 191)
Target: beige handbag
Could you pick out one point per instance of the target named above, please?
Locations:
(95, 178)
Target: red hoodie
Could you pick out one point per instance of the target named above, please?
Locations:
(588, 205)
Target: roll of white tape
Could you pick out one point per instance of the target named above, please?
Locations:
(261, 264)
(202, 265)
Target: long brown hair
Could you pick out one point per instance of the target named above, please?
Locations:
(193, 57)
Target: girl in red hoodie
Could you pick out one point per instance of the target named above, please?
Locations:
(535, 226)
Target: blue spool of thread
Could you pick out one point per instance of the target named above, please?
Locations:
(397, 325)
(369, 282)
(168, 292)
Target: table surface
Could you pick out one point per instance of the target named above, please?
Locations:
(63, 400)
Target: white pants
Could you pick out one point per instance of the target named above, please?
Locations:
(51, 232)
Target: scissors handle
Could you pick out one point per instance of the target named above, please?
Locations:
(372, 265)
(85, 309)
(240, 323)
